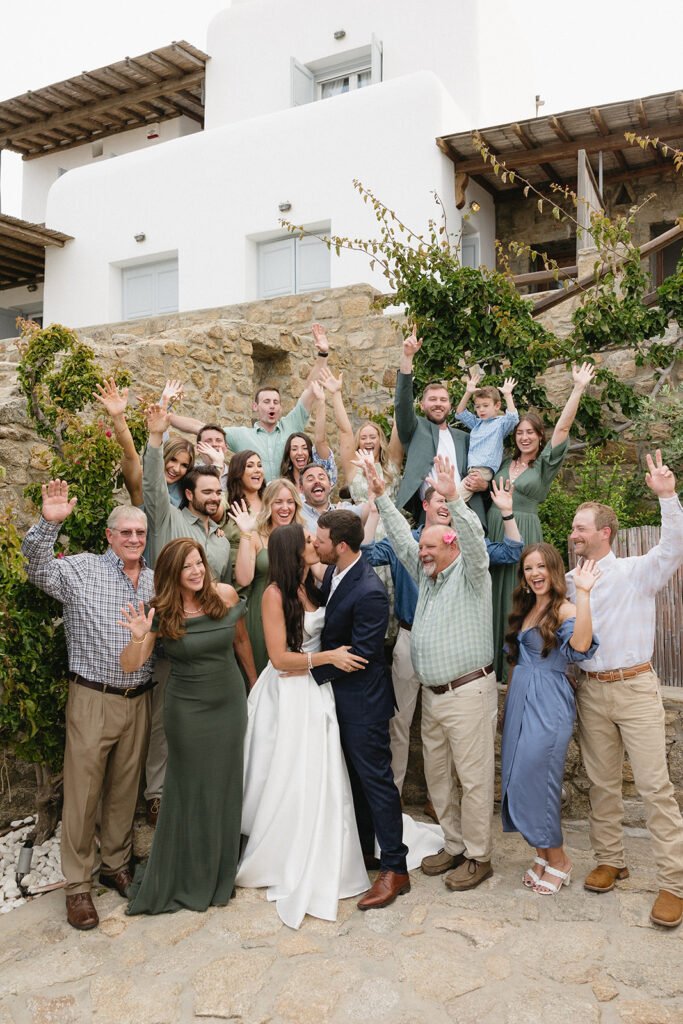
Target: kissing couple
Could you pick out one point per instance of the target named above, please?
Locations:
(320, 804)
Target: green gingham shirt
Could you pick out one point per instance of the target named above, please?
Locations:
(269, 446)
(452, 632)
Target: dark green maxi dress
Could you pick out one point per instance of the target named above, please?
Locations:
(253, 621)
(193, 861)
(531, 488)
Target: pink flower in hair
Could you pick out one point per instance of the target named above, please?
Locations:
(449, 537)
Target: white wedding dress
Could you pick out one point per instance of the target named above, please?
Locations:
(297, 809)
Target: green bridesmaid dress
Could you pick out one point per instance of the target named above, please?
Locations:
(531, 488)
(193, 860)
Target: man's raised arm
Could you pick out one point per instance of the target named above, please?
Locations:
(44, 570)
(404, 407)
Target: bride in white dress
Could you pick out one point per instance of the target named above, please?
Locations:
(297, 809)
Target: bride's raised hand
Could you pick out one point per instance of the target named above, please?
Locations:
(342, 658)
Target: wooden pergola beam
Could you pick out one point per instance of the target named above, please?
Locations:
(609, 143)
(649, 249)
(529, 144)
(167, 85)
(559, 129)
(599, 122)
(541, 276)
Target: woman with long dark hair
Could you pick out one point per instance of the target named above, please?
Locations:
(298, 811)
(532, 469)
(246, 483)
(547, 633)
(194, 855)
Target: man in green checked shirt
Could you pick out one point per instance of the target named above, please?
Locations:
(451, 646)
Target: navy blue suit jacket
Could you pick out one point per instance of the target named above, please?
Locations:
(357, 614)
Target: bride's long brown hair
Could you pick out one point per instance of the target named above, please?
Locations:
(168, 599)
(524, 599)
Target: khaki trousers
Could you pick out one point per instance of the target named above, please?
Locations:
(629, 714)
(458, 729)
(157, 753)
(406, 689)
(106, 737)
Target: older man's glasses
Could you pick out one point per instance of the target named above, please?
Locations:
(127, 534)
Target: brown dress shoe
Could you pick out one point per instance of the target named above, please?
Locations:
(602, 878)
(120, 881)
(667, 909)
(469, 875)
(80, 911)
(388, 885)
(152, 812)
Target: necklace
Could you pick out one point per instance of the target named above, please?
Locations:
(189, 614)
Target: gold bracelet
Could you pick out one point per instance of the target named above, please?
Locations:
(134, 641)
(245, 536)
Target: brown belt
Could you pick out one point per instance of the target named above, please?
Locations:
(461, 680)
(121, 691)
(404, 625)
(615, 674)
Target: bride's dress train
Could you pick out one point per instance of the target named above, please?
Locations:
(297, 809)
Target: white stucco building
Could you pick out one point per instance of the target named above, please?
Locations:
(301, 97)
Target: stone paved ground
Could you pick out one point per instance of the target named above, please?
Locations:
(499, 954)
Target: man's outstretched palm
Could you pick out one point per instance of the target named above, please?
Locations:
(56, 503)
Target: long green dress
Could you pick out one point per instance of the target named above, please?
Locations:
(253, 621)
(193, 861)
(531, 488)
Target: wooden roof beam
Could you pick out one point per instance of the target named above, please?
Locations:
(11, 261)
(599, 122)
(101, 106)
(528, 144)
(175, 69)
(104, 133)
(143, 70)
(559, 129)
(187, 109)
(608, 144)
(180, 49)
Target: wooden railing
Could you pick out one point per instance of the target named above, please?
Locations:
(668, 653)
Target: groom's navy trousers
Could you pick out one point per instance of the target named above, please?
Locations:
(357, 613)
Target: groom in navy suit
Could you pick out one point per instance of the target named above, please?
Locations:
(356, 613)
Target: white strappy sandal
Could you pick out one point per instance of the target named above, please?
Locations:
(548, 889)
(532, 874)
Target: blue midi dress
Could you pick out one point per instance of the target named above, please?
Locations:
(539, 719)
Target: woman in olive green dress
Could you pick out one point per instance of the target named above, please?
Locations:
(280, 505)
(193, 860)
(532, 469)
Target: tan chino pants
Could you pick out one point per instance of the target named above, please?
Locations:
(458, 728)
(629, 714)
(106, 738)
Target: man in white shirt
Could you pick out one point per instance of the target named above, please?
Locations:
(618, 698)
(315, 488)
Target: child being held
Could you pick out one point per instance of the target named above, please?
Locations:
(487, 428)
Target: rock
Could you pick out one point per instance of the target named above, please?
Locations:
(375, 1000)
(419, 960)
(604, 989)
(56, 1010)
(312, 992)
(648, 961)
(119, 1000)
(296, 945)
(638, 1011)
(227, 988)
(479, 932)
(498, 966)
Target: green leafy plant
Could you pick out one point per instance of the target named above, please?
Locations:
(661, 418)
(603, 474)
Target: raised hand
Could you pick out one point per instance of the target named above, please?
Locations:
(508, 386)
(472, 382)
(412, 344)
(329, 381)
(158, 418)
(320, 334)
(660, 479)
(113, 400)
(139, 623)
(173, 392)
(586, 574)
(365, 461)
(242, 517)
(318, 392)
(583, 375)
(444, 478)
(56, 503)
(210, 455)
(501, 496)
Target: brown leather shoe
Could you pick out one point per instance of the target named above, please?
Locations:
(120, 881)
(469, 875)
(80, 911)
(388, 885)
(602, 878)
(429, 812)
(667, 909)
(152, 812)
(437, 863)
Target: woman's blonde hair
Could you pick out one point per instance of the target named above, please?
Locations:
(388, 468)
(264, 521)
(168, 599)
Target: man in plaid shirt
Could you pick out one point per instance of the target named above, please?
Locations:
(107, 712)
(451, 648)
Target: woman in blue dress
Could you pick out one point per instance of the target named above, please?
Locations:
(546, 634)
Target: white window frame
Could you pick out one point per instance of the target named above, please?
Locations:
(294, 247)
(307, 80)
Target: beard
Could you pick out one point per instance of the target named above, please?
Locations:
(208, 507)
(429, 569)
